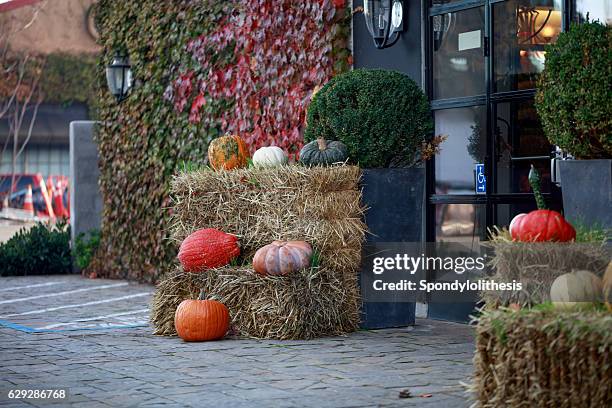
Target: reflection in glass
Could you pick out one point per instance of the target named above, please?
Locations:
(465, 146)
(377, 18)
(522, 29)
(460, 230)
(520, 142)
(462, 223)
(596, 9)
(458, 59)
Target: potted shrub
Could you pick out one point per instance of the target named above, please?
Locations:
(573, 101)
(383, 118)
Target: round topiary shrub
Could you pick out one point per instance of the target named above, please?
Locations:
(573, 97)
(382, 117)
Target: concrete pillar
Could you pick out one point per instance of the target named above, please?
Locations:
(85, 198)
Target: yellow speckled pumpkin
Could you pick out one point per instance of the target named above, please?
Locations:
(228, 152)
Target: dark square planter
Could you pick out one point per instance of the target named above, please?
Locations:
(586, 186)
(395, 200)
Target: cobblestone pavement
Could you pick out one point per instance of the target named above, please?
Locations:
(90, 340)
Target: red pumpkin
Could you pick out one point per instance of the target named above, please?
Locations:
(207, 248)
(281, 258)
(541, 226)
(201, 319)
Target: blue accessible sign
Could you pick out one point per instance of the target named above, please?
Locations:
(481, 180)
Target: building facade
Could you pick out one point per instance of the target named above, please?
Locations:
(65, 30)
(478, 61)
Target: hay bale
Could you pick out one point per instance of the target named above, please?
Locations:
(537, 265)
(543, 358)
(318, 205)
(304, 305)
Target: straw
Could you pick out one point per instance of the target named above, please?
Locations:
(320, 205)
(543, 358)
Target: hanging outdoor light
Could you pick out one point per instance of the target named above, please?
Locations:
(385, 21)
(119, 76)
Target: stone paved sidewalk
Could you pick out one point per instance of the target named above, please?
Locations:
(103, 365)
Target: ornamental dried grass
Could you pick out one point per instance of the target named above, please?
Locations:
(543, 358)
(536, 265)
(318, 205)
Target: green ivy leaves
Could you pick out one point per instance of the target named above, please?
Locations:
(143, 140)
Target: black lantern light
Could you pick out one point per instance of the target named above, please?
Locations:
(385, 21)
(119, 76)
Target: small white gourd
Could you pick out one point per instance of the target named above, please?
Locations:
(271, 156)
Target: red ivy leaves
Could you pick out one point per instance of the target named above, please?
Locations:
(194, 113)
(182, 87)
(282, 50)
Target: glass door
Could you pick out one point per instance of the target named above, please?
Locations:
(483, 61)
(520, 30)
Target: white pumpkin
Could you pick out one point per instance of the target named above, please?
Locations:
(576, 289)
(515, 222)
(271, 156)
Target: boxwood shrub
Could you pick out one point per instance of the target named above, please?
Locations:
(575, 90)
(383, 117)
(41, 249)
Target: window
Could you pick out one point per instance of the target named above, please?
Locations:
(522, 29)
(458, 58)
(596, 9)
(520, 142)
(463, 149)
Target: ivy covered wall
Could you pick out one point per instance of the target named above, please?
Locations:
(69, 78)
(64, 78)
(202, 68)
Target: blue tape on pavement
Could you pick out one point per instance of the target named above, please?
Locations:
(27, 329)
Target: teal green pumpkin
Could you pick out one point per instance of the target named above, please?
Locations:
(323, 152)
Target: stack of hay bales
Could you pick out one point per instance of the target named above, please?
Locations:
(319, 205)
(536, 265)
(543, 358)
(540, 355)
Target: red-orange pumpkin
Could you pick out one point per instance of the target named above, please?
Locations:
(207, 248)
(543, 225)
(201, 319)
(282, 258)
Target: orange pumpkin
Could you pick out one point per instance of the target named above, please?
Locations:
(228, 152)
(207, 248)
(281, 258)
(201, 319)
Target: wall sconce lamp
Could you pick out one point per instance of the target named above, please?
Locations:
(119, 76)
(385, 21)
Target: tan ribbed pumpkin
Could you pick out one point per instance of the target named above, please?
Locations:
(282, 257)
